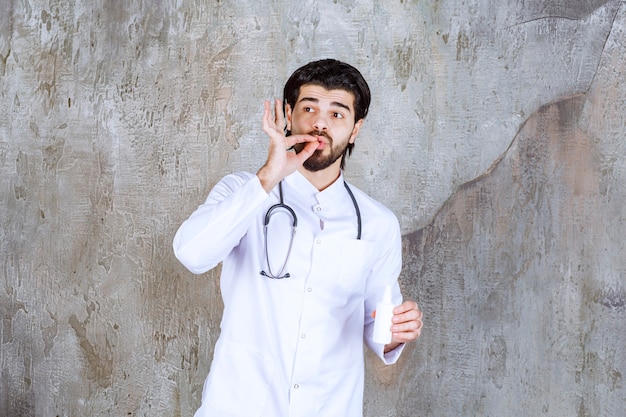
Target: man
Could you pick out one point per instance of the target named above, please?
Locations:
(305, 258)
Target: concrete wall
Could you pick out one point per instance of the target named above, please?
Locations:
(496, 135)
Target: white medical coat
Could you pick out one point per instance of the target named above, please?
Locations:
(292, 347)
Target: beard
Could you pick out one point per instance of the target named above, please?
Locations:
(318, 160)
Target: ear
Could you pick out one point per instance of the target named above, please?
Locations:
(288, 113)
(355, 131)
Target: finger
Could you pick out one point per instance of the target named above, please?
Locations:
(267, 116)
(404, 337)
(402, 308)
(411, 328)
(407, 331)
(293, 139)
(406, 311)
(279, 115)
(407, 317)
(406, 326)
(307, 150)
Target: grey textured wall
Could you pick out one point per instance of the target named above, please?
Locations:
(496, 135)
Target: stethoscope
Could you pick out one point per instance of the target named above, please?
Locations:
(281, 205)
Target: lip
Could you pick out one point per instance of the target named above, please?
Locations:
(322, 142)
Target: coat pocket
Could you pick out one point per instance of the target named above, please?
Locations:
(239, 381)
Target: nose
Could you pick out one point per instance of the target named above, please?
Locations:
(320, 123)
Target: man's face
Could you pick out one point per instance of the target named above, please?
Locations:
(329, 116)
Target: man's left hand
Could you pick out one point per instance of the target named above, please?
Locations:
(407, 324)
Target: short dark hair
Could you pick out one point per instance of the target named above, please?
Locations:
(332, 75)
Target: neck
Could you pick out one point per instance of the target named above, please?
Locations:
(324, 178)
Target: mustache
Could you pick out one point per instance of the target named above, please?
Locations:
(320, 133)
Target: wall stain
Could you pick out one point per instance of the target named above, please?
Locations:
(53, 153)
(403, 60)
(9, 307)
(612, 298)
(100, 364)
(49, 333)
(486, 264)
(22, 177)
(496, 365)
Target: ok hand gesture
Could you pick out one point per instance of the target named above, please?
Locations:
(280, 160)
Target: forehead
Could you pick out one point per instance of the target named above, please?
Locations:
(323, 96)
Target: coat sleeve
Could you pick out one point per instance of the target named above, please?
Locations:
(217, 226)
(386, 271)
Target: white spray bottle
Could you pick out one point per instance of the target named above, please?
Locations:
(384, 314)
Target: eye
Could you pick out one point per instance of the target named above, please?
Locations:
(307, 109)
(337, 115)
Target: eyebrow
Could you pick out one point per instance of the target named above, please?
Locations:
(334, 103)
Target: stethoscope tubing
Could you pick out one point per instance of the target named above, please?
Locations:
(294, 225)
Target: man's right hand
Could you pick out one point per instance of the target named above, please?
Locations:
(280, 160)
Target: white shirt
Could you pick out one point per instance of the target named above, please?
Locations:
(292, 347)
